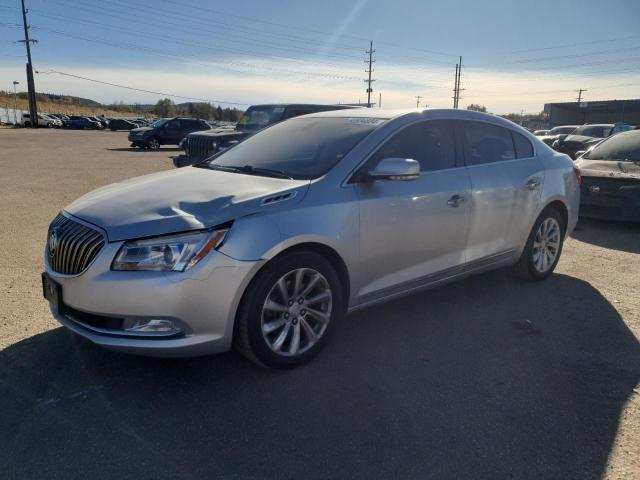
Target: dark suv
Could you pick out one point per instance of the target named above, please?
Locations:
(200, 145)
(166, 131)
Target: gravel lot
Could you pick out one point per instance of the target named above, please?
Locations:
(486, 378)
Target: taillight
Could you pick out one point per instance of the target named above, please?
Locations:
(576, 170)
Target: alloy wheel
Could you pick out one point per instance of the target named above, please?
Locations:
(296, 312)
(154, 144)
(546, 244)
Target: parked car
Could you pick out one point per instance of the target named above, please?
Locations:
(201, 145)
(82, 123)
(582, 138)
(611, 178)
(121, 124)
(268, 244)
(557, 133)
(44, 120)
(541, 133)
(166, 131)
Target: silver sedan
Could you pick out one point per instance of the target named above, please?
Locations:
(268, 245)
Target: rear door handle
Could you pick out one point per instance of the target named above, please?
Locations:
(455, 201)
(532, 183)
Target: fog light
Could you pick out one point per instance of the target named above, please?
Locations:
(154, 326)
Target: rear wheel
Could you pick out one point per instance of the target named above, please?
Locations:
(288, 311)
(544, 246)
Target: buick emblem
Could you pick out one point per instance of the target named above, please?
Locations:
(53, 241)
(594, 189)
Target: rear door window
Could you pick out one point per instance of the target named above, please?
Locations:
(524, 149)
(486, 143)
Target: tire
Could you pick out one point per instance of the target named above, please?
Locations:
(153, 143)
(267, 336)
(538, 260)
(49, 125)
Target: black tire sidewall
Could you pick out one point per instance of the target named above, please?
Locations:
(528, 252)
(253, 301)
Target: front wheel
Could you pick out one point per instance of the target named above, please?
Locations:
(544, 246)
(153, 143)
(288, 311)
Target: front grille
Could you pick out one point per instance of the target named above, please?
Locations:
(199, 147)
(72, 246)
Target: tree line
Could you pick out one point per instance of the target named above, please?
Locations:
(167, 108)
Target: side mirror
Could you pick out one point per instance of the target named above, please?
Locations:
(395, 169)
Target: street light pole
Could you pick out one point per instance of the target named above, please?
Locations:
(15, 103)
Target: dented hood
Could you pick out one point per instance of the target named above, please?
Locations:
(608, 168)
(177, 201)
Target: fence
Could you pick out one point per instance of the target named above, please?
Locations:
(10, 116)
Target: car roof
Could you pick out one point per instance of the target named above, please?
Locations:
(305, 105)
(427, 113)
(597, 125)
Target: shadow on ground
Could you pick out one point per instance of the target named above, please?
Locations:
(613, 235)
(487, 378)
(136, 149)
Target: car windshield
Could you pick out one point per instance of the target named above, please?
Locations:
(561, 130)
(159, 123)
(260, 117)
(597, 131)
(303, 148)
(621, 147)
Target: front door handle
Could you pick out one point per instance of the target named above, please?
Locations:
(532, 183)
(455, 201)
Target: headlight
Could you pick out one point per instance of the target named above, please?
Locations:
(168, 253)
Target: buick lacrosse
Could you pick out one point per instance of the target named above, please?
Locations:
(265, 246)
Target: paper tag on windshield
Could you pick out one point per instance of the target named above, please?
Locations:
(278, 109)
(364, 121)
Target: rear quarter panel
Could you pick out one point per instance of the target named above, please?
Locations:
(560, 184)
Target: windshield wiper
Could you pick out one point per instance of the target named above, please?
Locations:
(250, 169)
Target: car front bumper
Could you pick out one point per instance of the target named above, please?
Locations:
(202, 302)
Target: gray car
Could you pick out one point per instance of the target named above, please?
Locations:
(266, 246)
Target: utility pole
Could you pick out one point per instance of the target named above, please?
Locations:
(418, 97)
(455, 89)
(380, 100)
(580, 90)
(15, 103)
(368, 81)
(31, 87)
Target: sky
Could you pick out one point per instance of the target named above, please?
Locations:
(516, 55)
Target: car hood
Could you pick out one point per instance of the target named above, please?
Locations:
(608, 168)
(580, 139)
(218, 132)
(141, 129)
(178, 200)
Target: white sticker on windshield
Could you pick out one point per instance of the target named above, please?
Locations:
(364, 121)
(278, 110)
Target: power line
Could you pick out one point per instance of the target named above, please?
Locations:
(196, 60)
(567, 45)
(171, 95)
(309, 30)
(186, 26)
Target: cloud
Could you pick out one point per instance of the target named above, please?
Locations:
(267, 80)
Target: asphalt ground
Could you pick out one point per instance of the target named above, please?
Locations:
(487, 378)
